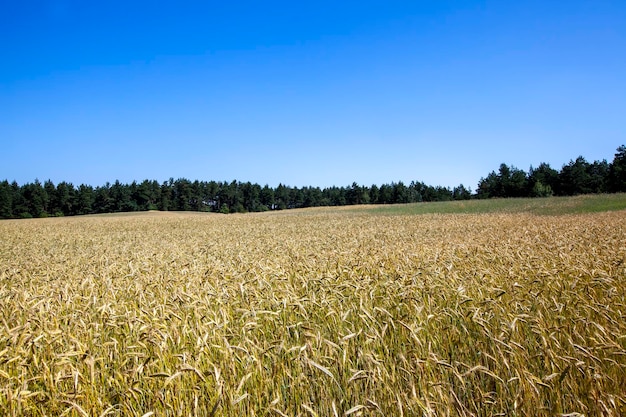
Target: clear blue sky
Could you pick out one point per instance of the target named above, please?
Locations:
(307, 93)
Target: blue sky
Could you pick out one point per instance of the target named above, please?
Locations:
(307, 93)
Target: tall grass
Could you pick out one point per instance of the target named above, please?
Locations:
(320, 312)
(590, 203)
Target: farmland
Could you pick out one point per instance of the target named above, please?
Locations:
(346, 311)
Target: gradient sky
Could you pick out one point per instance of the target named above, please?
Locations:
(307, 93)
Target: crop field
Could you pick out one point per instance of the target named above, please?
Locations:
(317, 312)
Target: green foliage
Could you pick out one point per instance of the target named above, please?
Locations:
(617, 171)
(461, 193)
(576, 177)
(508, 182)
(85, 199)
(6, 200)
(541, 190)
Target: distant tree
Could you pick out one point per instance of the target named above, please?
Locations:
(313, 196)
(85, 199)
(167, 192)
(503, 183)
(598, 173)
(574, 177)
(6, 200)
(415, 192)
(251, 196)
(489, 186)
(146, 195)
(281, 197)
(35, 198)
(130, 194)
(430, 193)
(64, 199)
(374, 193)
(508, 182)
(50, 191)
(197, 199)
(443, 193)
(543, 181)
(385, 194)
(617, 171)
(517, 183)
(121, 197)
(365, 197)
(400, 193)
(336, 195)
(461, 193)
(182, 194)
(230, 198)
(353, 194)
(540, 190)
(211, 193)
(296, 197)
(103, 202)
(19, 203)
(267, 197)
(236, 197)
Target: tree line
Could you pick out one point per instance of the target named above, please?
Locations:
(64, 199)
(576, 177)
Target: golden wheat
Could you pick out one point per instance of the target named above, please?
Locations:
(314, 312)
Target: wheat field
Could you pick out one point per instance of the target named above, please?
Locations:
(320, 312)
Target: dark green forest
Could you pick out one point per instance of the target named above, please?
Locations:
(64, 199)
